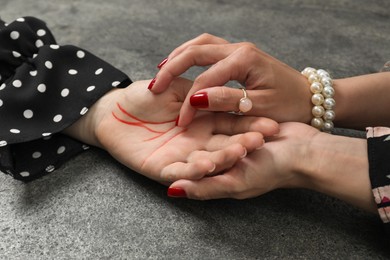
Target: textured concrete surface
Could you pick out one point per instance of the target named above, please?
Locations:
(94, 208)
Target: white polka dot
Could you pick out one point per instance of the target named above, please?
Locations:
(41, 88)
(24, 174)
(80, 54)
(36, 155)
(39, 43)
(41, 32)
(3, 143)
(83, 111)
(98, 71)
(49, 65)
(17, 83)
(115, 83)
(85, 147)
(65, 92)
(33, 73)
(28, 113)
(47, 135)
(90, 88)
(1, 102)
(57, 118)
(14, 35)
(72, 72)
(35, 55)
(50, 168)
(61, 149)
(16, 54)
(2, 86)
(21, 19)
(54, 46)
(15, 131)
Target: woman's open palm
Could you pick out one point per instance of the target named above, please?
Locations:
(139, 129)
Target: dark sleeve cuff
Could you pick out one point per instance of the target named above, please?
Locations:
(44, 88)
(378, 140)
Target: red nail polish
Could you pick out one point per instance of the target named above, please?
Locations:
(177, 120)
(200, 100)
(177, 193)
(151, 84)
(159, 66)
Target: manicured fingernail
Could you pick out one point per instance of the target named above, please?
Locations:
(177, 120)
(177, 193)
(159, 66)
(200, 100)
(244, 155)
(151, 84)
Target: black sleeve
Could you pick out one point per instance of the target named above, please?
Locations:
(378, 139)
(44, 88)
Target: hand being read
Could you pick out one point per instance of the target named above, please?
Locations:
(139, 129)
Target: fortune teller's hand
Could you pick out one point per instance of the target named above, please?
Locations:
(298, 157)
(276, 90)
(139, 129)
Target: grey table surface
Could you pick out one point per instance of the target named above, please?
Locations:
(94, 208)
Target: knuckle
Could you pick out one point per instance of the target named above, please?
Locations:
(248, 48)
(206, 36)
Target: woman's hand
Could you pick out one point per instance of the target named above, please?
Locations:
(299, 157)
(276, 90)
(138, 129)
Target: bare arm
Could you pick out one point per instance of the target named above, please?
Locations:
(363, 101)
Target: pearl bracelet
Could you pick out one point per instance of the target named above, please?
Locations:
(323, 92)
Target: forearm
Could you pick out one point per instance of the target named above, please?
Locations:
(363, 101)
(338, 166)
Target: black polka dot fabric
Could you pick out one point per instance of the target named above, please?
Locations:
(44, 88)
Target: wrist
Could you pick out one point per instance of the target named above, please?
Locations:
(338, 166)
(85, 129)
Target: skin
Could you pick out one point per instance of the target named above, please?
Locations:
(138, 129)
(300, 156)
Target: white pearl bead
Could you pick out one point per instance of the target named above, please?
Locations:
(317, 122)
(328, 126)
(329, 115)
(318, 111)
(317, 99)
(326, 81)
(316, 88)
(323, 73)
(328, 92)
(307, 71)
(313, 78)
(329, 103)
(245, 105)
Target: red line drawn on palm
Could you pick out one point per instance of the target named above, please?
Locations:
(148, 125)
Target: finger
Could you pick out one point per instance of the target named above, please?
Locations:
(223, 159)
(187, 170)
(251, 141)
(196, 55)
(233, 67)
(227, 185)
(229, 124)
(202, 163)
(204, 38)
